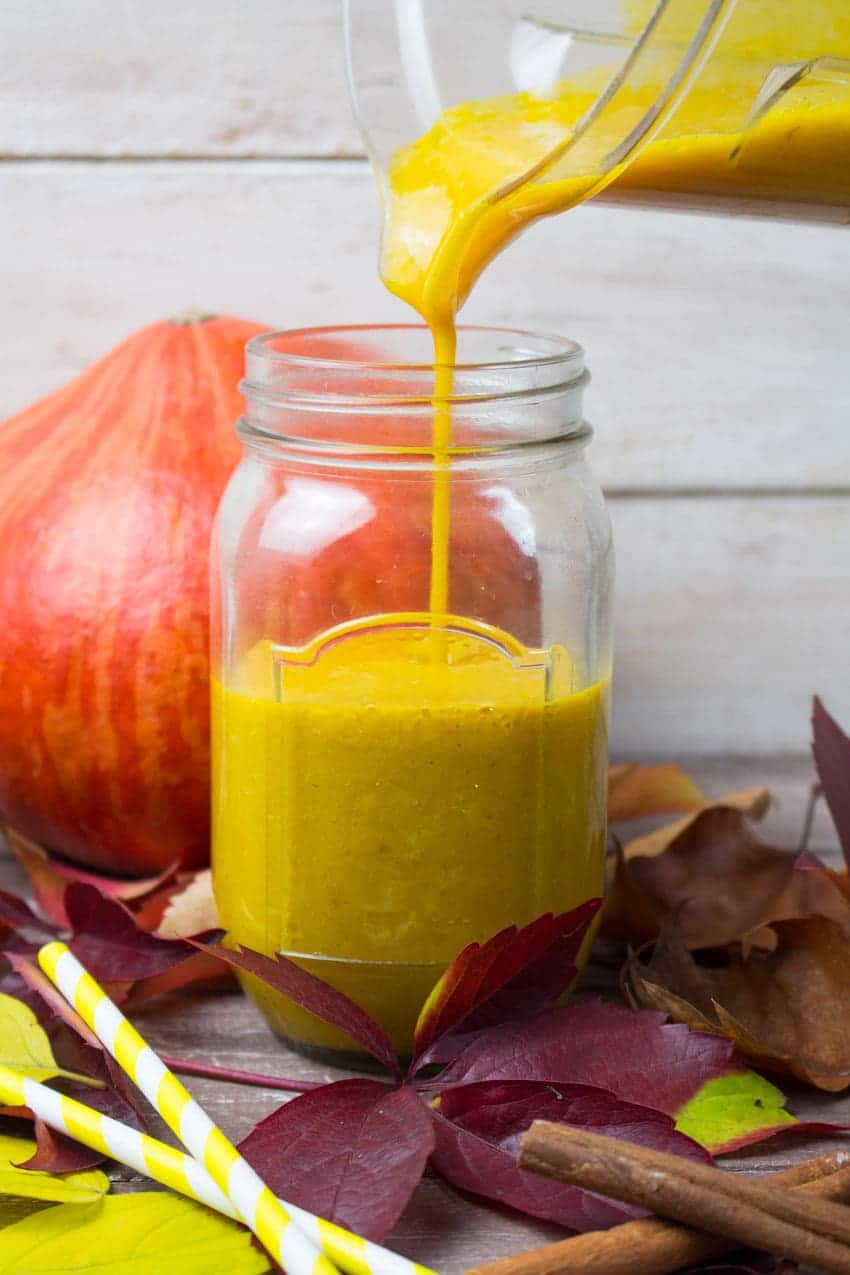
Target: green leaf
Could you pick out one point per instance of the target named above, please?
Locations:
(144, 1234)
(24, 1045)
(66, 1188)
(732, 1111)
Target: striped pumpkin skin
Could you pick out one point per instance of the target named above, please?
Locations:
(108, 489)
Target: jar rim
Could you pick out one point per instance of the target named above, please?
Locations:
(355, 388)
(561, 350)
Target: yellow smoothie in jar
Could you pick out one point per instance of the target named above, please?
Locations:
(388, 806)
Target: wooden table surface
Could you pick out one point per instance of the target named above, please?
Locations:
(441, 1228)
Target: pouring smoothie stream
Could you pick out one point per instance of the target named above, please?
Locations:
(412, 602)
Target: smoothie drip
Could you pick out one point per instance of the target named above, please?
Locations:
(445, 349)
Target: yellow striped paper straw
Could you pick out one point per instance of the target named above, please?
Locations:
(100, 1132)
(183, 1173)
(257, 1206)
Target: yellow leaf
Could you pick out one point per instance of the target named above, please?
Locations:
(149, 1233)
(24, 1045)
(65, 1188)
(13, 1208)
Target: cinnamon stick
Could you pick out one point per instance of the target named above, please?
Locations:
(653, 1246)
(761, 1216)
(821, 1216)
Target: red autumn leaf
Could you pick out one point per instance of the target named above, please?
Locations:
(117, 1098)
(57, 1153)
(636, 1055)
(16, 914)
(352, 1152)
(831, 748)
(51, 877)
(479, 1128)
(149, 911)
(108, 942)
(313, 995)
(514, 974)
(75, 1055)
(200, 971)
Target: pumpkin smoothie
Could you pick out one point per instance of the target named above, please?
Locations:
(383, 806)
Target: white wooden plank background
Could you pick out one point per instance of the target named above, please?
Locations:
(731, 612)
(158, 157)
(125, 78)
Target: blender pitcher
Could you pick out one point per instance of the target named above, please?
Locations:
(515, 110)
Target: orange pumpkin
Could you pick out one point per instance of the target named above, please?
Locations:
(107, 494)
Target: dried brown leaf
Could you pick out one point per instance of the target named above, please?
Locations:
(627, 914)
(643, 992)
(191, 909)
(752, 802)
(788, 1010)
(636, 791)
(721, 882)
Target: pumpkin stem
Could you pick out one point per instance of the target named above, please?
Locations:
(186, 317)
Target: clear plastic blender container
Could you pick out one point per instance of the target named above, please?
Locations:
(717, 105)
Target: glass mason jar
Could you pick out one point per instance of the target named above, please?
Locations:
(402, 766)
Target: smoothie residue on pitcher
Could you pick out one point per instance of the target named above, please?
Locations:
(767, 119)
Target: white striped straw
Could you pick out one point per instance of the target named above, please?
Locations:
(183, 1173)
(100, 1132)
(352, 1253)
(255, 1203)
